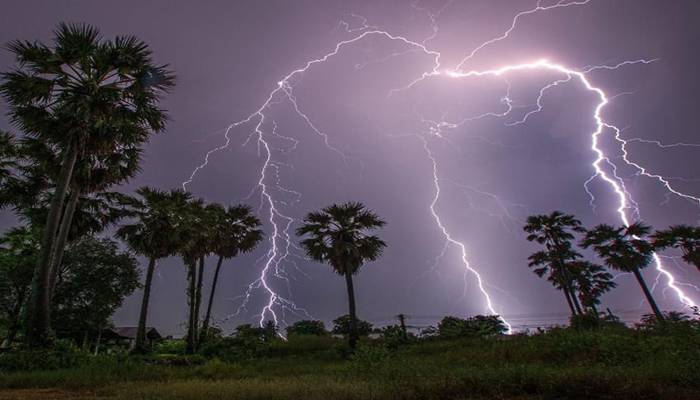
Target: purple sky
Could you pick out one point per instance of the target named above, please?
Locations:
(229, 56)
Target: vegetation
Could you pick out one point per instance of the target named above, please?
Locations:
(625, 249)
(561, 363)
(85, 106)
(339, 236)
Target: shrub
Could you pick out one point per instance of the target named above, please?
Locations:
(307, 327)
(674, 322)
(341, 326)
(478, 326)
(236, 348)
(170, 346)
(64, 355)
(175, 360)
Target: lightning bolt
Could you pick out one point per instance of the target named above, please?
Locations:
(270, 188)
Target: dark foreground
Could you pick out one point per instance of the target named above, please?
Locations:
(562, 364)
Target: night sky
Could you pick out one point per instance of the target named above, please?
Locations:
(229, 56)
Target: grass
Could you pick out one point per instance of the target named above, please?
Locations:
(618, 364)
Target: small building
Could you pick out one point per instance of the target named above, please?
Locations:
(126, 335)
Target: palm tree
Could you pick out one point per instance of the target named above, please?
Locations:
(152, 234)
(340, 236)
(85, 95)
(236, 231)
(196, 234)
(625, 249)
(555, 231)
(591, 281)
(683, 237)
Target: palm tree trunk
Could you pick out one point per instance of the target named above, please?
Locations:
(191, 289)
(62, 238)
(140, 345)
(568, 300)
(38, 321)
(353, 337)
(577, 304)
(647, 294)
(205, 324)
(198, 299)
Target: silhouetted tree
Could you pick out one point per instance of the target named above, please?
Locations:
(625, 249)
(339, 236)
(555, 232)
(591, 281)
(343, 326)
(94, 282)
(19, 248)
(235, 231)
(307, 327)
(87, 96)
(683, 237)
(154, 234)
(477, 326)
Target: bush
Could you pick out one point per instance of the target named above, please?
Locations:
(170, 346)
(307, 327)
(478, 326)
(231, 349)
(64, 355)
(175, 360)
(675, 322)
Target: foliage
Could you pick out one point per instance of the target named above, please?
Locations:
(561, 363)
(674, 322)
(683, 237)
(477, 326)
(307, 327)
(94, 281)
(18, 255)
(341, 326)
(64, 355)
(339, 235)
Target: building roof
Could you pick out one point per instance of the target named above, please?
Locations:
(129, 332)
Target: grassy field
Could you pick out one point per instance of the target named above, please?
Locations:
(620, 364)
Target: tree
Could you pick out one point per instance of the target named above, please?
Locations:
(307, 327)
(343, 325)
(195, 231)
(17, 259)
(477, 326)
(625, 249)
(153, 234)
(87, 96)
(94, 282)
(683, 237)
(555, 231)
(339, 235)
(235, 231)
(591, 281)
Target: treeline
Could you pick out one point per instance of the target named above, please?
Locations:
(84, 107)
(628, 249)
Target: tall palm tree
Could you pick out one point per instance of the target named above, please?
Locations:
(153, 233)
(555, 232)
(625, 249)
(196, 244)
(339, 235)
(236, 232)
(683, 237)
(86, 95)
